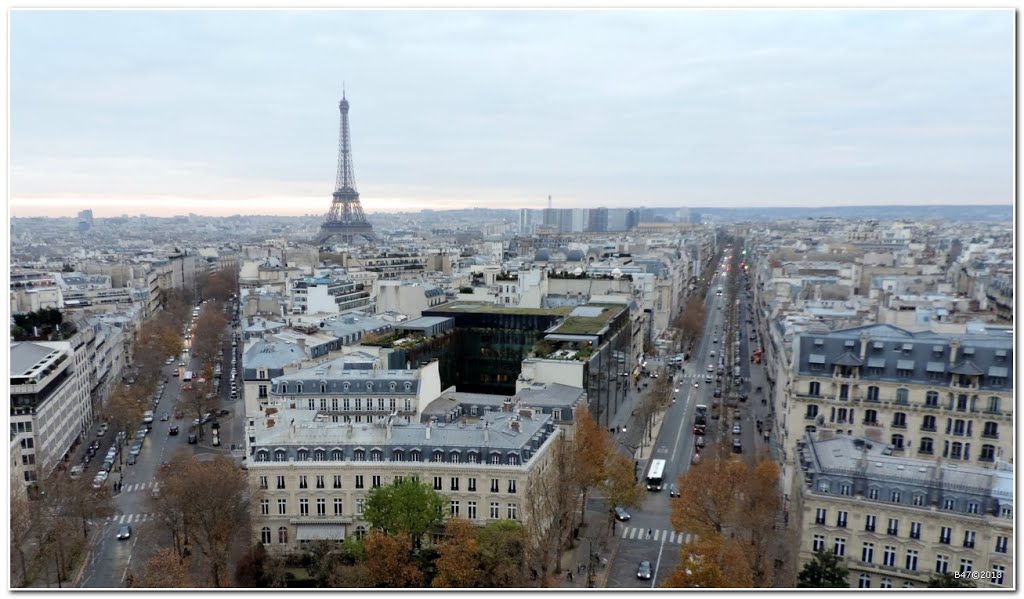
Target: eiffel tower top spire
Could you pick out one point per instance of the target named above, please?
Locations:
(346, 171)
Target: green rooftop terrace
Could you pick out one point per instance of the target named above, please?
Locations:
(589, 325)
(488, 308)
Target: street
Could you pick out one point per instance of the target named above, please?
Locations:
(110, 560)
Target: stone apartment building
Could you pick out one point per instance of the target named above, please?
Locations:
(928, 395)
(897, 520)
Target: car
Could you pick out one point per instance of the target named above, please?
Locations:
(175, 374)
(223, 412)
(718, 392)
(737, 415)
(124, 532)
(196, 422)
(643, 571)
(234, 395)
(696, 384)
(164, 417)
(172, 431)
(193, 439)
(621, 515)
(101, 432)
(698, 441)
(135, 450)
(131, 459)
(215, 425)
(673, 490)
(181, 362)
(155, 493)
(735, 429)
(737, 446)
(695, 459)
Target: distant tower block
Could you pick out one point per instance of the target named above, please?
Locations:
(345, 221)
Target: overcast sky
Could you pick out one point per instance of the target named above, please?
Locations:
(225, 112)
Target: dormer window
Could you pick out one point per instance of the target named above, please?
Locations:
(284, 388)
(369, 385)
(393, 386)
(408, 386)
(323, 387)
(345, 386)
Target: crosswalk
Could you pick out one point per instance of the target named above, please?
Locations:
(669, 536)
(130, 518)
(139, 487)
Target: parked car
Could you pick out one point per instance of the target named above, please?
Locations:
(131, 459)
(736, 429)
(643, 571)
(192, 439)
(698, 442)
(737, 446)
(621, 515)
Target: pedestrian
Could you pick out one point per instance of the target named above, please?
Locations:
(650, 533)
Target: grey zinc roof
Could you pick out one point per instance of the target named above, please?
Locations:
(967, 367)
(272, 355)
(886, 352)
(26, 355)
(848, 359)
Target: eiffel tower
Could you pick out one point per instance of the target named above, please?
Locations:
(345, 221)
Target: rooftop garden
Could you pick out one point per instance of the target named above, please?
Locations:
(469, 307)
(391, 339)
(587, 325)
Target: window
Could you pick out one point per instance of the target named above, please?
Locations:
(513, 511)
(889, 556)
(993, 405)
(338, 506)
(886, 583)
(814, 389)
(472, 457)
(455, 483)
(812, 412)
(282, 507)
(869, 523)
(819, 543)
(966, 565)
(941, 563)
(321, 507)
(1006, 511)
(969, 537)
(897, 442)
(310, 404)
(931, 399)
(494, 485)
(871, 417)
(375, 455)
(956, 450)
(360, 506)
(280, 482)
(471, 510)
(437, 483)
(263, 482)
(988, 453)
(945, 535)
(359, 455)
(303, 507)
(453, 457)
(471, 484)
(438, 456)
(918, 499)
(926, 445)
(990, 430)
(872, 393)
(912, 560)
(375, 481)
(928, 423)
(894, 527)
(319, 455)
(455, 509)
(998, 573)
(839, 547)
(873, 493)
(495, 458)
(264, 507)
(895, 496)
(841, 519)
(512, 485)
(972, 507)
(949, 504)
(864, 581)
(337, 454)
(902, 396)
(867, 553)
(303, 483)
(844, 489)
(494, 510)
(359, 481)
(820, 514)
(265, 535)
(899, 420)
(279, 455)
(414, 456)
(915, 530)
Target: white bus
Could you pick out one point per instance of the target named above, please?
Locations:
(655, 474)
(188, 376)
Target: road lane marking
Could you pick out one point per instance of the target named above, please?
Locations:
(654, 578)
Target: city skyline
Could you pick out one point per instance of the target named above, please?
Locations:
(501, 109)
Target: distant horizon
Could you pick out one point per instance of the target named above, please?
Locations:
(74, 214)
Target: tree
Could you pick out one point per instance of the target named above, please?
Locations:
(392, 567)
(123, 410)
(949, 581)
(503, 554)
(591, 447)
(620, 487)
(458, 561)
(712, 562)
(758, 508)
(408, 508)
(551, 504)
(165, 569)
(207, 504)
(349, 569)
(825, 571)
(707, 495)
(24, 527)
(81, 502)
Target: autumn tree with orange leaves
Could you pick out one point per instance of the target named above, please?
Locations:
(458, 557)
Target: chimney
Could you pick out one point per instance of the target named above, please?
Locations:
(954, 349)
(863, 346)
(506, 406)
(428, 429)
(487, 432)
(514, 424)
